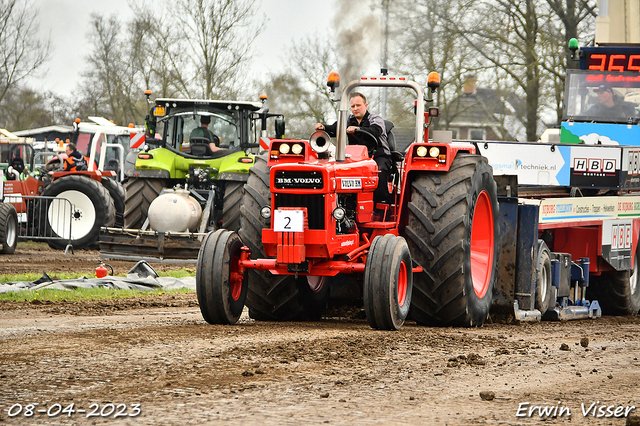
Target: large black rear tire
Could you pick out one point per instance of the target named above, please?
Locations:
(231, 205)
(92, 208)
(8, 228)
(221, 292)
(272, 297)
(388, 281)
(116, 190)
(452, 232)
(139, 194)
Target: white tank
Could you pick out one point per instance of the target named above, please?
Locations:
(174, 211)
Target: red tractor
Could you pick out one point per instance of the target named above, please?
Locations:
(308, 230)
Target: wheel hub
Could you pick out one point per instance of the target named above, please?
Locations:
(482, 242)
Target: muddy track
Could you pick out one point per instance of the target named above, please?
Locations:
(156, 351)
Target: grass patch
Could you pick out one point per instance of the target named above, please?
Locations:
(83, 294)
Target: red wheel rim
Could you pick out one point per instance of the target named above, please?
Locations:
(402, 284)
(235, 281)
(482, 244)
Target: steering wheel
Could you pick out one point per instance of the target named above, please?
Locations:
(54, 164)
(202, 139)
(363, 137)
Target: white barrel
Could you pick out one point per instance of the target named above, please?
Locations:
(174, 211)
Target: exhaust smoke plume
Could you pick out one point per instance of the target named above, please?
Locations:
(358, 41)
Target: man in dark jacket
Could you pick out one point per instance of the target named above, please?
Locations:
(75, 160)
(360, 118)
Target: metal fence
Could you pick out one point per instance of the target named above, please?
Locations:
(43, 218)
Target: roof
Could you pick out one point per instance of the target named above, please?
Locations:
(39, 130)
(183, 103)
(489, 108)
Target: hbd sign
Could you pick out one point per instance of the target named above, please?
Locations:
(594, 165)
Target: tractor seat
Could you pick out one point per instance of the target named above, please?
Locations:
(396, 156)
(18, 164)
(201, 150)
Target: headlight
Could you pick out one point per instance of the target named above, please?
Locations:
(265, 212)
(296, 148)
(339, 213)
(421, 151)
(284, 148)
(434, 151)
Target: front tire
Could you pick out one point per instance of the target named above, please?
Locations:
(220, 289)
(139, 194)
(452, 233)
(8, 228)
(92, 208)
(388, 283)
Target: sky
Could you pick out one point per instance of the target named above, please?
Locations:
(67, 23)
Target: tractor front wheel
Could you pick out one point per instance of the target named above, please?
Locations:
(221, 290)
(8, 228)
(388, 282)
(452, 233)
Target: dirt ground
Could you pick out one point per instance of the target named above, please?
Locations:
(154, 361)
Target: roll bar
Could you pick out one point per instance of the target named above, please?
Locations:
(383, 81)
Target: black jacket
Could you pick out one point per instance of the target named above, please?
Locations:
(372, 123)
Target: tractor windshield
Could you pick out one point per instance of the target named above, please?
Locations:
(223, 124)
(602, 97)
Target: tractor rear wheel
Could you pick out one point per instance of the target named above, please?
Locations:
(8, 228)
(618, 293)
(220, 289)
(273, 297)
(231, 205)
(91, 208)
(452, 233)
(139, 194)
(388, 281)
(116, 190)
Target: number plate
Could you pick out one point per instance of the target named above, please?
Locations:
(288, 221)
(158, 111)
(350, 183)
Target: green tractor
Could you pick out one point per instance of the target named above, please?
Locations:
(184, 178)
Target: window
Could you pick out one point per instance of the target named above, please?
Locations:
(476, 134)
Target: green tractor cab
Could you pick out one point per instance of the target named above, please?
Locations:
(188, 176)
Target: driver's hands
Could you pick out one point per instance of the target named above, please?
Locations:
(352, 129)
(319, 126)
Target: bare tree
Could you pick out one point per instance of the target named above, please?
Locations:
(219, 35)
(21, 52)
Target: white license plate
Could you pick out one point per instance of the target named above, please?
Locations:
(288, 221)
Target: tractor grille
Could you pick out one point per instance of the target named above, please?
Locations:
(313, 202)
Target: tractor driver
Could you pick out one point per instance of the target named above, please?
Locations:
(75, 161)
(204, 132)
(360, 118)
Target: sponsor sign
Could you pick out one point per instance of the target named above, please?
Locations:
(617, 242)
